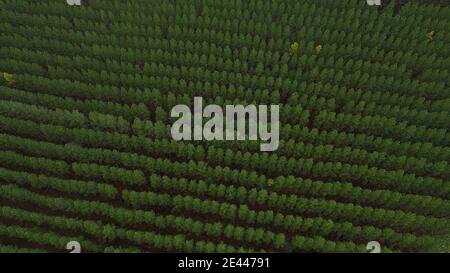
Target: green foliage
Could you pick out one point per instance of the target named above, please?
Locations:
(86, 152)
(294, 47)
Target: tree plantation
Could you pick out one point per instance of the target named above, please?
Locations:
(354, 100)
